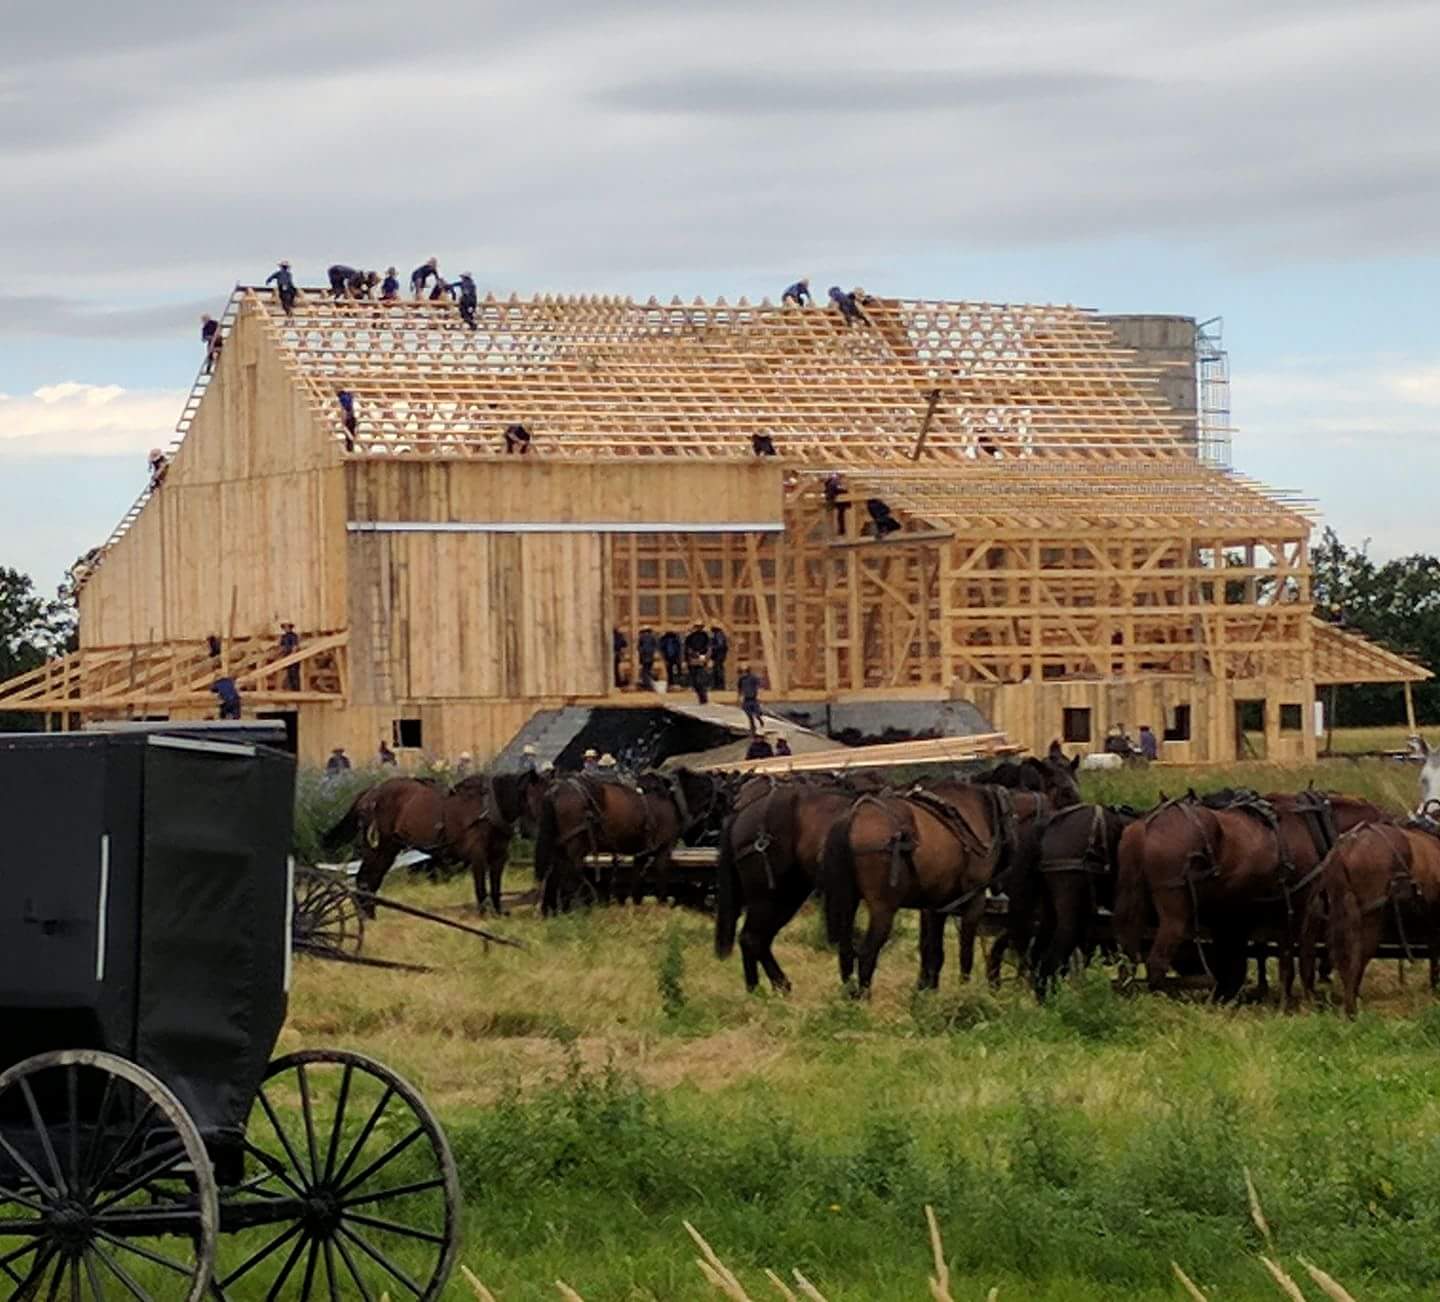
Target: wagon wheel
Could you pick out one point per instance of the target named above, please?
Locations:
(106, 1189)
(327, 918)
(349, 1188)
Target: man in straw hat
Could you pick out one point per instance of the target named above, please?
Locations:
(798, 293)
(590, 761)
(284, 286)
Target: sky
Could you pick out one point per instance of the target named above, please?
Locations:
(1276, 164)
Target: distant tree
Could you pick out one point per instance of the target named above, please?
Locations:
(1396, 604)
(32, 629)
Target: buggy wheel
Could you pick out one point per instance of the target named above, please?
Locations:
(349, 1189)
(106, 1190)
(327, 916)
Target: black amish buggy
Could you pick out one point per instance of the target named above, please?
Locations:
(150, 1148)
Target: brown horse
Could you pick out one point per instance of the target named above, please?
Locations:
(1234, 863)
(480, 817)
(936, 849)
(583, 814)
(770, 854)
(1375, 875)
(1056, 895)
(463, 825)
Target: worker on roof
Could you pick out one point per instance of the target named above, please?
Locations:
(390, 286)
(467, 299)
(158, 467)
(762, 445)
(341, 278)
(798, 293)
(441, 288)
(284, 286)
(697, 660)
(882, 522)
(420, 277)
(210, 337)
(517, 439)
(849, 308)
(747, 690)
(835, 498)
(346, 399)
(363, 284)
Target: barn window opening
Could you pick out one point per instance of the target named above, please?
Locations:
(408, 735)
(1292, 718)
(1075, 724)
(1177, 723)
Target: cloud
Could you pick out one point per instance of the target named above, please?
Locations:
(86, 420)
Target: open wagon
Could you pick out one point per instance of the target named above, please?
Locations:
(149, 1146)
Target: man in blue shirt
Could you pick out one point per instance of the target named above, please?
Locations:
(798, 293)
(748, 687)
(468, 300)
(390, 286)
(420, 277)
(347, 405)
(1149, 743)
(849, 308)
(284, 286)
(229, 696)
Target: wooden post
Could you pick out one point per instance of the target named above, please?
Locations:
(925, 424)
(1409, 708)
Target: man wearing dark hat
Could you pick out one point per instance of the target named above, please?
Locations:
(748, 690)
(697, 660)
(284, 286)
(210, 337)
(467, 300)
(671, 651)
(849, 308)
(229, 696)
(646, 647)
(289, 645)
(341, 278)
(719, 654)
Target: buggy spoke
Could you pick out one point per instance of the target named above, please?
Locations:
(285, 1270)
(36, 1277)
(338, 1120)
(72, 1096)
(123, 1275)
(384, 1159)
(381, 1260)
(31, 1173)
(41, 1129)
(310, 1268)
(33, 1246)
(255, 1258)
(394, 1227)
(29, 1204)
(172, 1151)
(94, 1276)
(135, 1130)
(365, 1131)
(399, 1191)
(350, 1266)
(273, 1167)
(158, 1258)
(92, 1155)
(280, 1134)
(330, 1271)
(309, 1119)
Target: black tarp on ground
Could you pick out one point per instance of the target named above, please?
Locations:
(144, 907)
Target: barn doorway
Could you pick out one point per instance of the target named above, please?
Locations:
(1250, 730)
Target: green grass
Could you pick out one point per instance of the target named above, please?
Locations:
(615, 1080)
(1350, 741)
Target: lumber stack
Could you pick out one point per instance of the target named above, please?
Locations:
(935, 750)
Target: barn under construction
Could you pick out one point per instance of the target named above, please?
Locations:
(1065, 560)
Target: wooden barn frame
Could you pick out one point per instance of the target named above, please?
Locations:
(1062, 558)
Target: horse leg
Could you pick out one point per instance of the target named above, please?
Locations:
(660, 870)
(932, 949)
(374, 865)
(996, 958)
(1064, 940)
(969, 929)
(1231, 964)
(477, 875)
(763, 921)
(497, 874)
(882, 920)
(1173, 912)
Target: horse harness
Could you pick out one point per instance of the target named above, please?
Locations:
(1401, 887)
(1095, 856)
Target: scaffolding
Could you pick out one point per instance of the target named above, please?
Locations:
(1212, 375)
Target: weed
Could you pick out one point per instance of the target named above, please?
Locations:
(670, 974)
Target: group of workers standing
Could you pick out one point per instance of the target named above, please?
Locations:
(697, 661)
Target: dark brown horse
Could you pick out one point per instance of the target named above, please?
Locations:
(770, 854)
(465, 825)
(1235, 864)
(1377, 877)
(480, 816)
(1056, 894)
(582, 814)
(1053, 776)
(936, 849)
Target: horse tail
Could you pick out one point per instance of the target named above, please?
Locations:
(1132, 895)
(1343, 924)
(348, 830)
(727, 894)
(837, 880)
